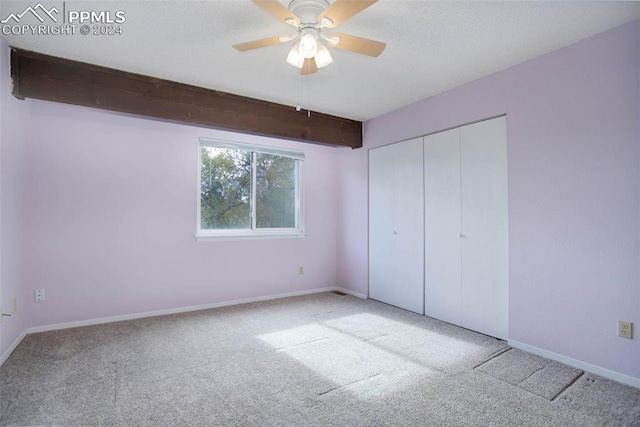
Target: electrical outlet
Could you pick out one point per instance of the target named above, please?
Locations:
(15, 305)
(301, 269)
(625, 329)
(39, 295)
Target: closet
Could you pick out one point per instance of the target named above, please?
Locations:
(464, 233)
(396, 225)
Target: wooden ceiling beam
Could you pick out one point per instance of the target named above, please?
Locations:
(50, 78)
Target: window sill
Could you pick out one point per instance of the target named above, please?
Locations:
(248, 235)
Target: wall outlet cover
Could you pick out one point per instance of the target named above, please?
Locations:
(625, 329)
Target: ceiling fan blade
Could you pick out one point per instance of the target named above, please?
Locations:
(357, 44)
(279, 11)
(309, 66)
(342, 10)
(256, 44)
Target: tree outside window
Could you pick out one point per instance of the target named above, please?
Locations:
(248, 190)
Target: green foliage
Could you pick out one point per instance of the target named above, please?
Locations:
(226, 190)
(276, 192)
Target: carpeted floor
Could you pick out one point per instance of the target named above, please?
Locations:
(322, 360)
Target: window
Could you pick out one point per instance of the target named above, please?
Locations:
(248, 191)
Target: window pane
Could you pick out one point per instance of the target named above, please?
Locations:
(275, 192)
(225, 188)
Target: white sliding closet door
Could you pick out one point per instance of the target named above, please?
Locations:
(396, 233)
(484, 246)
(442, 226)
(465, 225)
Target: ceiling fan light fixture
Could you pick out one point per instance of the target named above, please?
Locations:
(294, 57)
(308, 46)
(323, 57)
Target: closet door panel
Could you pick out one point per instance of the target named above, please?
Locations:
(484, 226)
(396, 225)
(408, 229)
(381, 247)
(442, 226)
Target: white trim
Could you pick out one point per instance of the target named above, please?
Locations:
(111, 319)
(252, 235)
(616, 376)
(607, 373)
(98, 321)
(282, 152)
(13, 346)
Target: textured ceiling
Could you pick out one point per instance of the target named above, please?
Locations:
(432, 46)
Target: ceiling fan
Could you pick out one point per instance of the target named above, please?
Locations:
(311, 19)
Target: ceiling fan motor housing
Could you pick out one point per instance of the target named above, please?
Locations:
(308, 10)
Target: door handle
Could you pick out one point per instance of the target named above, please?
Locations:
(462, 236)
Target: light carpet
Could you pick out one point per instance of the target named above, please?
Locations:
(322, 359)
(536, 374)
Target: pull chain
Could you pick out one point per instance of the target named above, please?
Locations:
(309, 91)
(298, 105)
(309, 96)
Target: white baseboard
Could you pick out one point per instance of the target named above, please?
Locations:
(607, 373)
(13, 346)
(111, 319)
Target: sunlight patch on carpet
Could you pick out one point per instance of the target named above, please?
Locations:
(349, 363)
(444, 349)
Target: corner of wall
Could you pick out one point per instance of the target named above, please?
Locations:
(13, 138)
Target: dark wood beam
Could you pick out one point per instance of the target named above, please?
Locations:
(49, 78)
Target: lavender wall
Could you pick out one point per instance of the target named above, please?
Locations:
(111, 216)
(107, 211)
(574, 192)
(13, 134)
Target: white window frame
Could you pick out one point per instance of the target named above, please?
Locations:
(253, 232)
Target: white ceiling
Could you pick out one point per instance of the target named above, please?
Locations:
(432, 46)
